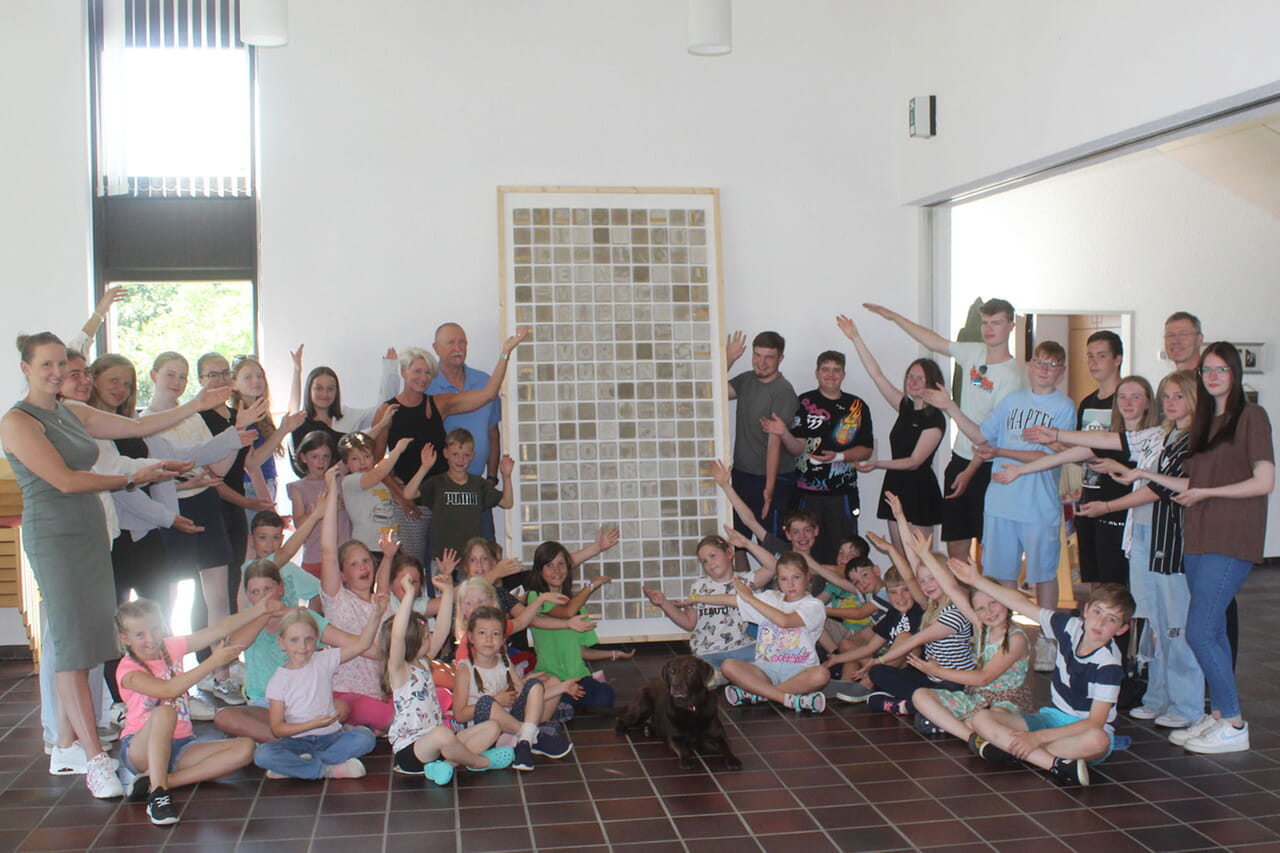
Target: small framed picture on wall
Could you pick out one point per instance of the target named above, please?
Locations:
(1251, 357)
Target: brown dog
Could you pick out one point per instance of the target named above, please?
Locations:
(680, 709)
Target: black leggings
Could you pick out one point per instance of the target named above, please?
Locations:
(902, 683)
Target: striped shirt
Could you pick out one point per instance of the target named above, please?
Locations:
(1078, 681)
(954, 651)
(1166, 518)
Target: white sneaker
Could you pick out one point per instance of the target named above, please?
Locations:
(116, 715)
(1142, 712)
(1046, 654)
(1199, 727)
(237, 672)
(101, 778)
(228, 691)
(68, 760)
(1222, 737)
(206, 683)
(108, 735)
(1172, 721)
(201, 710)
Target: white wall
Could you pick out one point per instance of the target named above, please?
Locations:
(1141, 234)
(384, 140)
(1021, 81)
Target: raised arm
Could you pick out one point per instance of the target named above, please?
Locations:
(983, 675)
(777, 428)
(295, 384)
(579, 599)
(903, 566)
(684, 618)
(768, 611)
(768, 562)
(951, 587)
(109, 297)
(264, 451)
(24, 437)
(383, 468)
(1098, 439)
(923, 335)
(330, 571)
(206, 637)
(940, 399)
(100, 424)
(1009, 473)
(413, 489)
(468, 401)
(397, 666)
(721, 474)
(606, 538)
(302, 531)
(1010, 598)
(444, 616)
(891, 393)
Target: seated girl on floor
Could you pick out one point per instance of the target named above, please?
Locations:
(563, 654)
(717, 632)
(487, 687)
(158, 741)
(421, 742)
(311, 743)
(998, 681)
(785, 668)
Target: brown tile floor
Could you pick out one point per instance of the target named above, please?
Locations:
(846, 780)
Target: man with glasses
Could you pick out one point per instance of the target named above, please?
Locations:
(1022, 517)
(1183, 340)
(990, 372)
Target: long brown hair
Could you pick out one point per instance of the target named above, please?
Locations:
(265, 427)
(1202, 435)
(104, 363)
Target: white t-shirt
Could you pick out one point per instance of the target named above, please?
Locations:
(307, 693)
(775, 644)
(720, 628)
(371, 510)
(984, 386)
(1145, 447)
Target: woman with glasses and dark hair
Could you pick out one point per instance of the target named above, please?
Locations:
(1230, 471)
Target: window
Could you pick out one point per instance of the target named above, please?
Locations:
(190, 317)
(174, 214)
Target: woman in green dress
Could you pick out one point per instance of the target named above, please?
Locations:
(50, 445)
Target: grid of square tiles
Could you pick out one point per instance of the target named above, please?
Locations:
(615, 408)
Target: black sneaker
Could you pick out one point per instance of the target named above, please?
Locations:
(140, 788)
(1070, 772)
(160, 808)
(553, 743)
(524, 756)
(985, 749)
(925, 726)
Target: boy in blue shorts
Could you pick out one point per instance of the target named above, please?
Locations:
(1021, 518)
(1076, 730)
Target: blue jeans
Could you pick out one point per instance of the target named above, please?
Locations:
(598, 694)
(717, 659)
(1175, 684)
(1213, 580)
(286, 756)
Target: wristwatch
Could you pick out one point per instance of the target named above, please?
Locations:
(129, 484)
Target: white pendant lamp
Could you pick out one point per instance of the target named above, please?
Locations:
(710, 27)
(264, 23)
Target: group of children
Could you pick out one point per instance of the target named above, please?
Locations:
(333, 661)
(905, 642)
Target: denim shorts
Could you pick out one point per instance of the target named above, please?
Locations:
(780, 671)
(180, 745)
(1049, 717)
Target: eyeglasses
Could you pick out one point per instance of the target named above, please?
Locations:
(1214, 371)
(1041, 363)
(216, 374)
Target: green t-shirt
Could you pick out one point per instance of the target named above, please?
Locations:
(560, 651)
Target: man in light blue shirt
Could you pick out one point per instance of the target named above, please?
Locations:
(451, 348)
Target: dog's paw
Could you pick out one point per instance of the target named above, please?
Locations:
(733, 762)
(687, 763)
(620, 727)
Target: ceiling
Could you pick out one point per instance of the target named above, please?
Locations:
(1244, 158)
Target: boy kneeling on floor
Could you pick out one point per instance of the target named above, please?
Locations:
(1076, 731)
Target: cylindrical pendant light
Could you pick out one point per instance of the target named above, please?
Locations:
(264, 23)
(710, 27)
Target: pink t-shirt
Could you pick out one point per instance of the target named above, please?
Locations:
(307, 693)
(350, 612)
(137, 705)
(307, 493)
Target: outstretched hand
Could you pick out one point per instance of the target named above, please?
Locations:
(734, 347)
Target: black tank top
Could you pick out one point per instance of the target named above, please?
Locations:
(423, 424)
